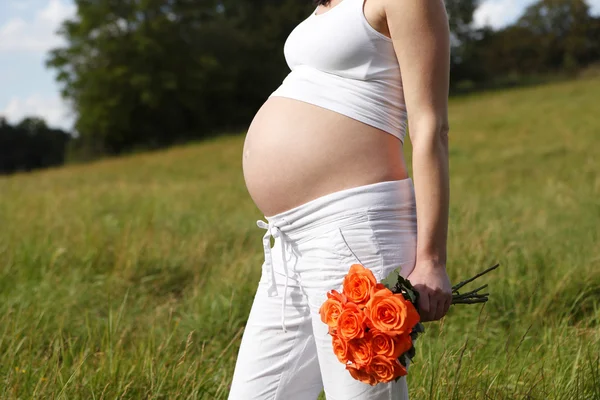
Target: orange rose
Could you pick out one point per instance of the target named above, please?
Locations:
(340, 349)
(358, 284)
(390, 346)
(360, 351)
(332, 308)
(361, 374)
(351, 323)
(391, 313)
(386, 369)
(403, 343)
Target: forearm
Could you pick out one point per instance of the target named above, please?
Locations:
(421, 35)
(432, 192)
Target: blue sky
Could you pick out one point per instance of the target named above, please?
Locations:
(28, 31)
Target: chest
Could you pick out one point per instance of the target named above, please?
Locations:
(341, 39)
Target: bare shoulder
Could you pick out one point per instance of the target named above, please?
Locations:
(421, 35)
(411, 14)
(403, 4)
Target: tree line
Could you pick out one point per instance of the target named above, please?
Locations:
(30, 145)
(551, 36)
(152, 73)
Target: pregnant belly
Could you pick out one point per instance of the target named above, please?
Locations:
(295, 152)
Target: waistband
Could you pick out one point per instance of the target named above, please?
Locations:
(315, 215)
(318, 214)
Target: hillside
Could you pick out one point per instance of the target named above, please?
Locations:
(132, 277)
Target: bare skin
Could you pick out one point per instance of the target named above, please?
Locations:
(296, 152)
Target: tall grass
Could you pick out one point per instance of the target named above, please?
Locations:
(132, 278)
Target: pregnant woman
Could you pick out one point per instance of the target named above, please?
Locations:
(323, 161)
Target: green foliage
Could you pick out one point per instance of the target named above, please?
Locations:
(460, 16)
(30, 145)
(398, 284)
(565, 30)
(552, 36)
(156, 72)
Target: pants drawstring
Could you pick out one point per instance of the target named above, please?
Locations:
(273, 230)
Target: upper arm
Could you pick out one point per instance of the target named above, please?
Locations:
(420, 34)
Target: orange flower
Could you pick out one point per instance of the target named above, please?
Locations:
(391, 313)
(386, 369)
(403, 343)
(361, 350)
(361, 374)
(351, 322)
(358, 284)
(332, 308)
(340, 348)
(392, 346)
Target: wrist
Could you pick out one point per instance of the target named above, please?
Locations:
(430, 262)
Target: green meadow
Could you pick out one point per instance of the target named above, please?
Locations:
(131, 278)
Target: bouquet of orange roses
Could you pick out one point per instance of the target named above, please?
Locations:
(373, 325)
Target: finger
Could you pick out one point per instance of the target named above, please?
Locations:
(424, 306)
(439, 308)
(444, 305)
(448, 304)
(433, 307)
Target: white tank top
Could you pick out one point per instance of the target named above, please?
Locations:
(340, 62)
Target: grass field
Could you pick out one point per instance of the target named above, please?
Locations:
(132, 278)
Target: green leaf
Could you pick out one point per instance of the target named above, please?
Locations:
(406, 283)
(419, 328)
(403, 359)
(416, 331)
(411, 353)
(391, 280)
(411, 294)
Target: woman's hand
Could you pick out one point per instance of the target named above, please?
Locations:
(435, 290)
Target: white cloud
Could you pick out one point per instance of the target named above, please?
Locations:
(39, 33)
(51, 108)
(594, 7)
(499, 13)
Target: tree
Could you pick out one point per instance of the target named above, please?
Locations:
(463, 40)
(563, 29)
(149, 73)
(551, 36)
(460, 16)
(30, 144)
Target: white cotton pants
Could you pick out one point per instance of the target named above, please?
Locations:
(286, 351)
